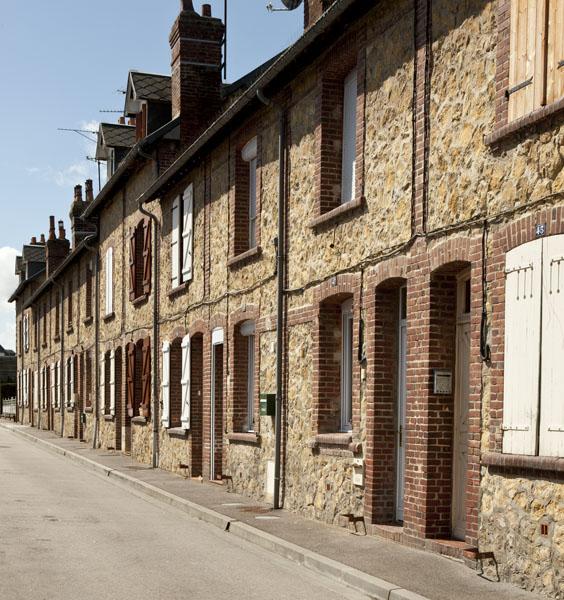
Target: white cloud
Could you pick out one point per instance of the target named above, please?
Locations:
(8, 283)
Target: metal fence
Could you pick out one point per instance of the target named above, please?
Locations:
(7, 407)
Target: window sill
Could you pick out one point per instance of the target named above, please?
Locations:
(344, 440)
(244, 437)
(177, 432)
(109, 317)
(332, 215)
(109, 418)
(237, 261)
(520, 461)
(139, 420)
(517, 126)
(178, 290)
(88, 409)
(140, 300)
(88, 321)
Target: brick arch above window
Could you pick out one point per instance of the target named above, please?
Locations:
(394, 268)
(198, 327)
(453, 250)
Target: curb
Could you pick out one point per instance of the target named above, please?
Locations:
(374, 587)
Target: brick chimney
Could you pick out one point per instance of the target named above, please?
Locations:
(313, 9)
(57, 248)
(81, 228)
(195, 41)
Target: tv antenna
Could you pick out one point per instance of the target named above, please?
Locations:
(80, 132)
(288, 5)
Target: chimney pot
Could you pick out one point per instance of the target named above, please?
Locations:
(42, 239)
(33, 241)
(186, 5)
(206, 10)
(78, 193)
(62, 232)
(51, 228)
(132, 121)
(89, 191)
(121, 120)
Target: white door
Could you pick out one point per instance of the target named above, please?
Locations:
(462, 390)
(401, 406)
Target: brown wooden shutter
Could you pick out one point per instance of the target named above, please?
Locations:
(146, 378)
(130, 379)
(527, 57)
(132, 265)
(147, 256)
(555, 58)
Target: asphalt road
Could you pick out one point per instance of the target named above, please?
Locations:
(66, 533)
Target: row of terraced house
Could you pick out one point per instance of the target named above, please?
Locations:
(337, 283)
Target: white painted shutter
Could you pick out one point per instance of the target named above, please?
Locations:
(102, 399)
(165, 385)
(522, 345)
(187, 237)
(109, 281)
(185, 383)
(112, 383)
(555, 70)
(551, 441)
(71, 390)
(26, 332)
(348, 174)
(59, 384)
(174, 243)
(35, 390)
(53, 384)
(43, 390)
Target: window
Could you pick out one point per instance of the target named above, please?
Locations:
(536, 68)
(53, 381)
(138, 378)
(181, 243)
(348, 169)
(140, 260)
(26, 332)
(109, 296)
(248, 330)
(69, 303)
(45, 324)
(244, 377)
(244, 213)
(57, 315)
(346, 366)
(533, 412)
(89, 290)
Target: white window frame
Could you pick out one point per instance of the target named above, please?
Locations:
(165, 385)
(249, 155)
(348, 162)
(347, 332)
(112, 383)
(26, 332)
(185, 384)
(109, 299)
(247, 330)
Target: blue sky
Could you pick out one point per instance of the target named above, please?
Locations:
(65, 60)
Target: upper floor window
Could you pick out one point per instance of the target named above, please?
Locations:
(69, 302)
(26, 333)
(109, 295)
(348, 167)
(140, 260)
(249, 156)
(181, 241)
(533, 411)
(89, 290)
(536, 60)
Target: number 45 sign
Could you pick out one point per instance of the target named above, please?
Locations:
(540, 229)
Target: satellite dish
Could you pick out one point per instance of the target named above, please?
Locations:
(291, 4)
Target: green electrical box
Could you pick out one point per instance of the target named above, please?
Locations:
(267, 405)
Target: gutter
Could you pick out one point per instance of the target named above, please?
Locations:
(329, 19)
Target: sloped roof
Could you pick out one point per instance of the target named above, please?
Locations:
(33, 254)
(151, 86)
(114, 135)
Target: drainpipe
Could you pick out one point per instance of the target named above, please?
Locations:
(154, 363)
(94, 251)
(280, 270)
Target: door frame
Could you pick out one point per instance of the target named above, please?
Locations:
(401, 404)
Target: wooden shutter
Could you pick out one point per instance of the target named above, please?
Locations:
(72, 382)
(109, 281)
(146, 378)
(187, 229)
(59, 384)
(147, 256)
(174, 244)
(165, 385)
(522, 343)
(35, 390)
(130, 379)
(132, 270)
(185, 383)
(102, 399)
(551, 437)
(527, 57)
(555, 46)
(112, 383)
(53, 401)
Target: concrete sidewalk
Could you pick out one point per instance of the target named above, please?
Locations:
(380, 568)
